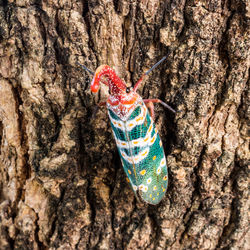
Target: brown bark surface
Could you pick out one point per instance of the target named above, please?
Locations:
(61, 181)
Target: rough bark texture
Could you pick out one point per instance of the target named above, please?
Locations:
(61, 181)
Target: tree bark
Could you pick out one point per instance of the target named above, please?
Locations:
(61, 181)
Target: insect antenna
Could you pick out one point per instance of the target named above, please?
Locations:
(91, 72)
(142, 77)
(154, 66)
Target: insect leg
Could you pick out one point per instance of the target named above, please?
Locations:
(95, 109)
(150, 105)
(100, 104)
(161, 102)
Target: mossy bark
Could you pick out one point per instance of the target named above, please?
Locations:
(61, 181)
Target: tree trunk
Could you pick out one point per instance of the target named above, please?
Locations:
(61, 180)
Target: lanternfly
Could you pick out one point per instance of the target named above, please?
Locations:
(137, 138)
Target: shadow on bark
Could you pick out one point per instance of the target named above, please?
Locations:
(61, 181)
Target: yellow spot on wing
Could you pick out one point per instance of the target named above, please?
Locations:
(139, 118)
(163, 162)
(145, 153)
(153, 139)
(129, 171)
(143, 172)
(154, 157)
(149, 180)
(159, 170)
(150, 128)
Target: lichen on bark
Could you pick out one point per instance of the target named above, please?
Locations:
(61, 181)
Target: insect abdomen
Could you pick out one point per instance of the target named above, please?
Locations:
(142, 154)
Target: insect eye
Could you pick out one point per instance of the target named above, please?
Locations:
(127, 89)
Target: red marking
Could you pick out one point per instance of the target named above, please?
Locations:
(139, 82)
(116, 85)
(129, 98)
(121, 101)
(94, 86)
(113, 101)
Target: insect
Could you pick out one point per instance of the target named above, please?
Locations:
(137, 138)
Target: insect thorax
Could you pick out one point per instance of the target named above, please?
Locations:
(124, 111)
